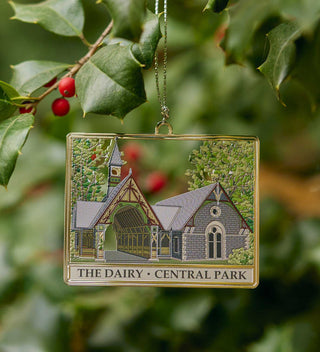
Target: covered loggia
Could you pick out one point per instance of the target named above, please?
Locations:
(132, 231)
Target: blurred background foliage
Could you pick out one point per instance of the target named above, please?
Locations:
(38, 312)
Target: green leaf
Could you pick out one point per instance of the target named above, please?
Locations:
(216, 5)
(58, 16)
(128, 17)
(307, 70)
(13, 134)
(306, 13)
(245, 17)
(144, 51)
(7, 108)
(9, 90)
(28, 76)
(111, 82)
(282, 53)
(47, 162)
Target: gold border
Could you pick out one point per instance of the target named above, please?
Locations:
(67, 217)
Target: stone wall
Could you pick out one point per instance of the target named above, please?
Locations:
(234, 242)
(229, 218)
(194, 247)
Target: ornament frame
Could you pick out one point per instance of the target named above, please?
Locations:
(152, 273)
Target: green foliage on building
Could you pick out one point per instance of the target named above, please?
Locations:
(243, 256)
(89, 168)
(73, 251)
(232, 164)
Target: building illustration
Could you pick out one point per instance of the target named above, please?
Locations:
(199, 225)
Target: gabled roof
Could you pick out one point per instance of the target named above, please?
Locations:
(116, 156)
(113, 193)
(188, 203)
(84, 213)
(166, 215)
(173, 213)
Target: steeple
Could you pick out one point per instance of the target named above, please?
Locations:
(114, 167)
(116, 156)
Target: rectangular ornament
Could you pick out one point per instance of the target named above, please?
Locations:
(127, 225)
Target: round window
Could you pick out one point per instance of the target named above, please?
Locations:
(114, 172)
(215, 211)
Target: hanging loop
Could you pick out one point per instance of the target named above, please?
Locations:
(161, 124)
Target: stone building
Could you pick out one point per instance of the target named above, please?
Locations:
(199, 225)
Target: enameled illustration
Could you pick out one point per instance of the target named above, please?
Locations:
(212, 224)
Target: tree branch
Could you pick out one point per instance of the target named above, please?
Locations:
(80, 63)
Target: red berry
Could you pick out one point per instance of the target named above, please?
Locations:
(156, 181)
(60, 107)
(67, 87)
(93, 156)
(24, 110)
(132, 151)
(51, 83)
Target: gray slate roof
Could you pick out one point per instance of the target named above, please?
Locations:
(188, 203)
(85, 213)
(108, 192)
(166, 215)
(116, 156)
(88, 213)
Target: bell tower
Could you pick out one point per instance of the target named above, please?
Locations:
(115, 164)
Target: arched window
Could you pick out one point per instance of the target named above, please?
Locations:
(218, 244)
(215, 234)
(211, 244)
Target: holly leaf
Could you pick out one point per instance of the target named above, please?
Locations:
(13, 134)
(281, 55)
(7, 92)
(128, 17)
(144, 51)
(306, 13)
(245, 18)
(58, 16)
(216, 5)
(28, 76)
(307, 70)
(6, 106)
(111, 82)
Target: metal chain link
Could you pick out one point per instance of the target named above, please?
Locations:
(162, 97)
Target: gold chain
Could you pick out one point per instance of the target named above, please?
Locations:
(162, 97)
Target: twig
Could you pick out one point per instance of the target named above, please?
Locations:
(84, 41)
(81, 62)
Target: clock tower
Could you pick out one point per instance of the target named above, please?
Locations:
(115, 164)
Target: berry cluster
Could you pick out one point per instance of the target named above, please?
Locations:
(60, 106)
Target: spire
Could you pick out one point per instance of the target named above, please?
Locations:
(116, 156)
(114, 167)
